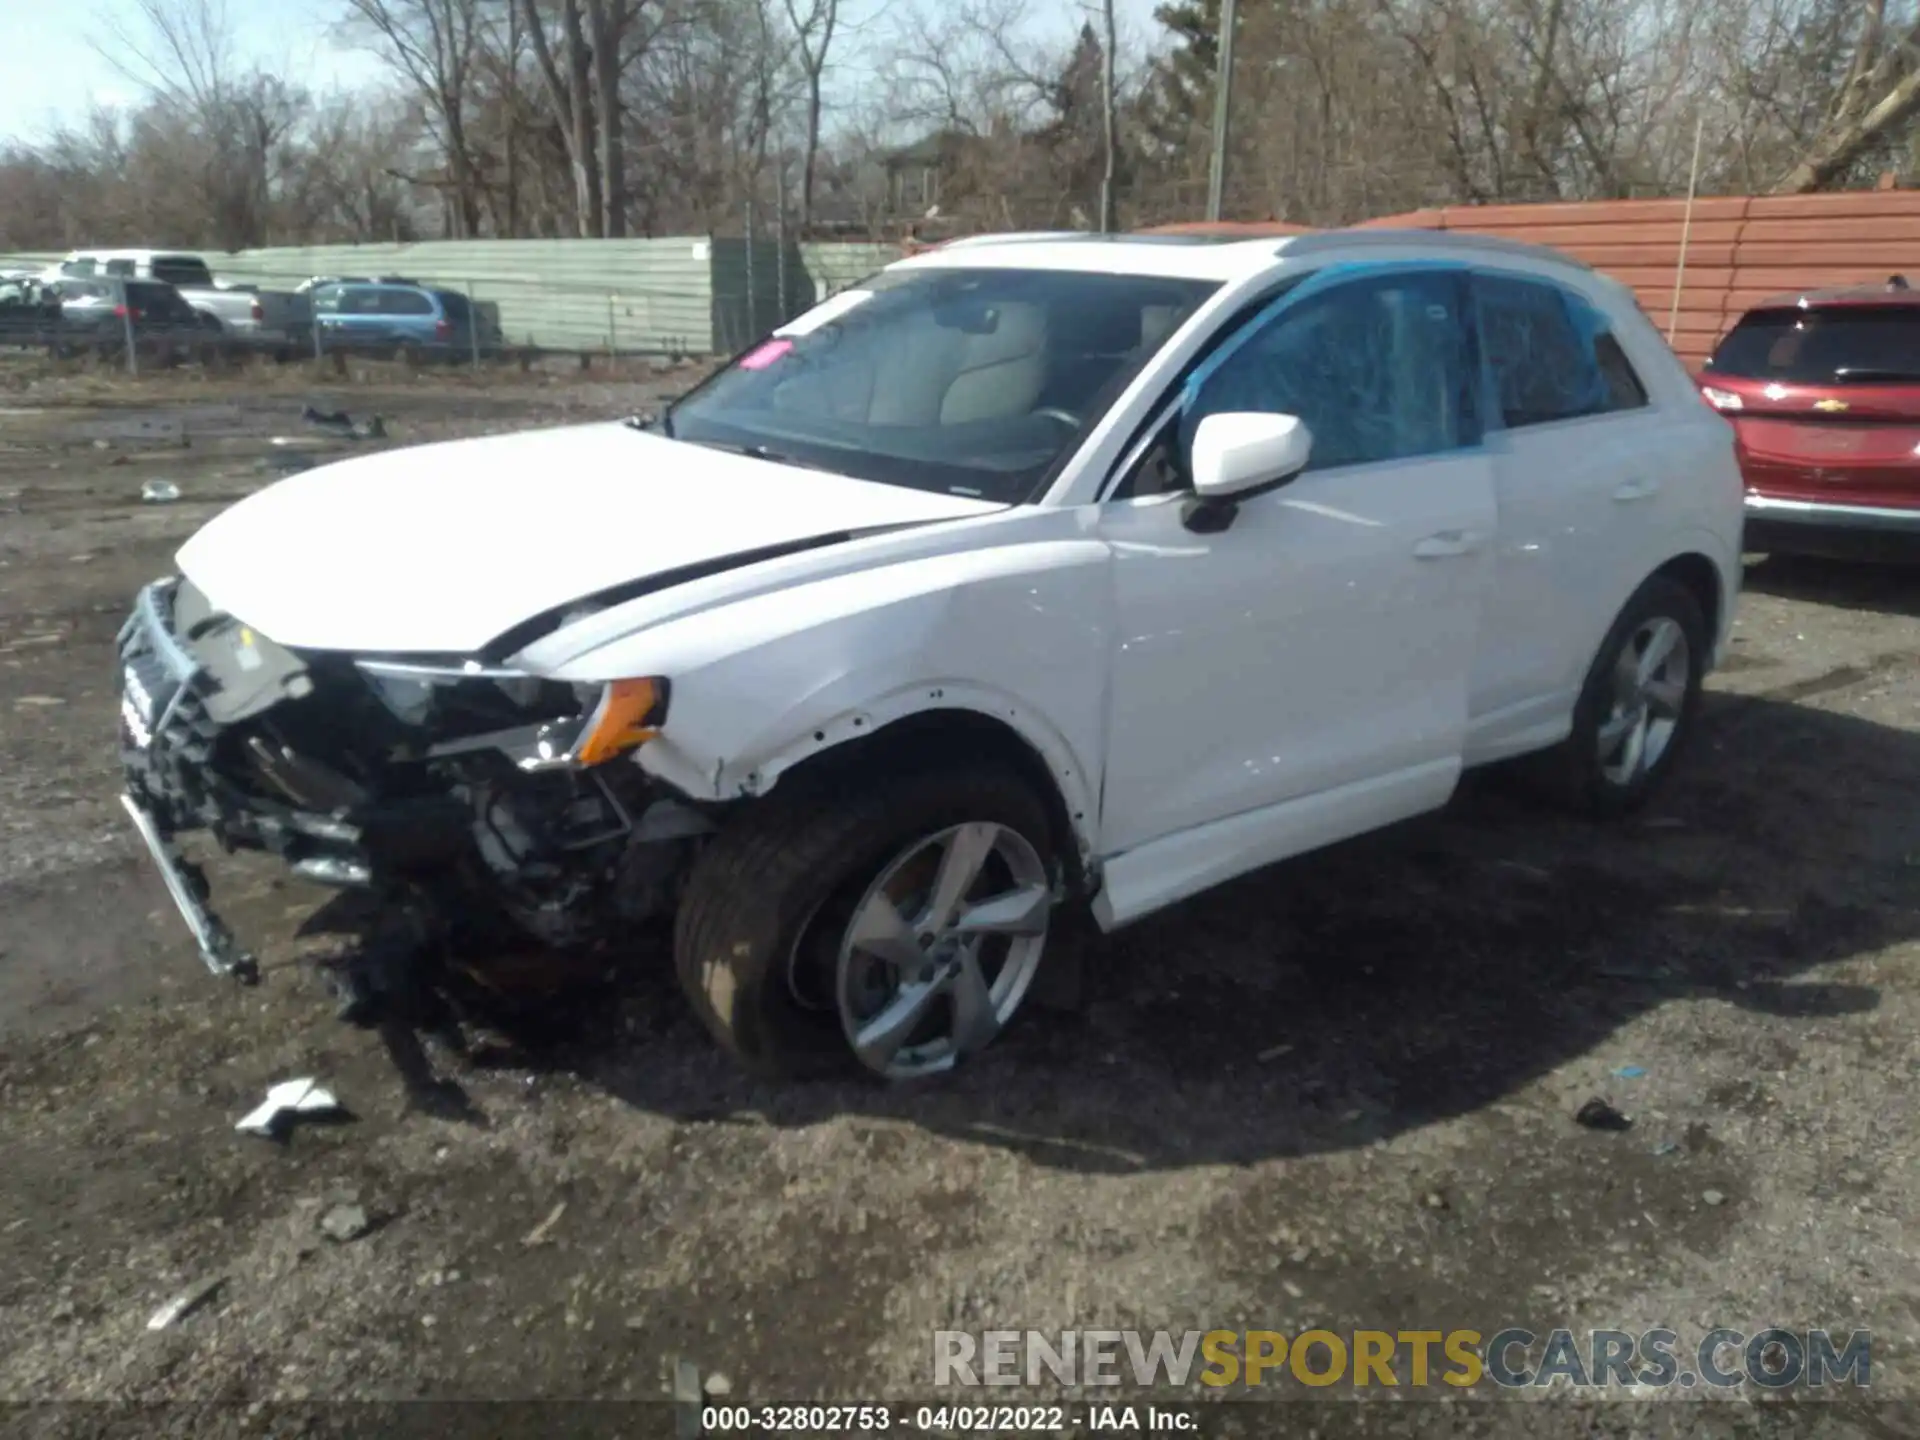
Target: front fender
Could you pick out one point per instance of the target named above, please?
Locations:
(1017, 632)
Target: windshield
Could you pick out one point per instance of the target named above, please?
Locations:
(966, 382)
(1851, 344)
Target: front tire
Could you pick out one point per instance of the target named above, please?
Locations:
(1638, 705)
(894, 931)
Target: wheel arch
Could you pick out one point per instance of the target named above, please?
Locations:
(1703, 580)
(952, 722)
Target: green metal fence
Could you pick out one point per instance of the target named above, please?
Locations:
(693, 295)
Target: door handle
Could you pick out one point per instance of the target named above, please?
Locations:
(1447, 543)
(1639, 489)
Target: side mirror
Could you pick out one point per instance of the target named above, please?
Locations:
(1237, 452)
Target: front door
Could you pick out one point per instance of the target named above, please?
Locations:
(1318, 648)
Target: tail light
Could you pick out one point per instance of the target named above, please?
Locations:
(259, 311)
(443, 330)
(119, 312)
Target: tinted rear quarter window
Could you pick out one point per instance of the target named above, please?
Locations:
(181, 270)
(453, 304)
(1851, 344)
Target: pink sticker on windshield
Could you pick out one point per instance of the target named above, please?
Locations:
(765, 355)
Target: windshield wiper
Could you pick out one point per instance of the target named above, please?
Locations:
(764, 452)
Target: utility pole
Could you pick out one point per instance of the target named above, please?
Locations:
(1109, 121)
(1222, 105)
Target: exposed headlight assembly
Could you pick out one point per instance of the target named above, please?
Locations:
(614, 718)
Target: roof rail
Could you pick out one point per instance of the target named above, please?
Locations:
(1389, 237)
(1015, 236)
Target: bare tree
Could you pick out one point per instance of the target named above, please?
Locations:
(568, 78)
(1879, 93)
(434, 46)
(228, 122)
(813, 28)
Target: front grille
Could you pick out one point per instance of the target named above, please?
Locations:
(166, 737)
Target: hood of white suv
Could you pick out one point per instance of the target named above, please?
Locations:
(442, 548)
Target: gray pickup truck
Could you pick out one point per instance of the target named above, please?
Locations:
(270, 318)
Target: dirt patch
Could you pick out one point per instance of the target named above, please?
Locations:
(1338, 1092)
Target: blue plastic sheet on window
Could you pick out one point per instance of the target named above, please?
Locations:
(1314, 284)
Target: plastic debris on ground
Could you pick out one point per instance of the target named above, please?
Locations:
(1630, 1072)
(159, 492)
(287, 1101)
(187, 1301)
(342, 1223)
(340, 423)
(1597, 1114)
(541, 1232)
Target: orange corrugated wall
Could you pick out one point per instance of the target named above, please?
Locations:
(1741, 250)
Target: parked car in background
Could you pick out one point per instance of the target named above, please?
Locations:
(386, 317)
(99, 314)
(29, 313)
(268, 318)
(316, 281)
(1025, 574)
(1823, 390)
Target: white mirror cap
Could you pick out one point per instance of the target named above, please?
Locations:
(1239, 450)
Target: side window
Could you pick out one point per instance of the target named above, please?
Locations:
(121, 268)
(1378, 367)
(326, 299)
(405, 302)
(1551, 353)
(79, 267)
(1624, 390)
(359, 300)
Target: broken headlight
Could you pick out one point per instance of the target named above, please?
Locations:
(539, 724)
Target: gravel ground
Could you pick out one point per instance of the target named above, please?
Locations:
(1337, 1093)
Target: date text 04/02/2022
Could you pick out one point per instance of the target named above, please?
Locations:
(941, 1419)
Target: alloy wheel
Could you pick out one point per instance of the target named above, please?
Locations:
(942, 948)
(1651, 676)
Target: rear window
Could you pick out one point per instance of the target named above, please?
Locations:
(182, 270)
(1853, 344)
(454, 304)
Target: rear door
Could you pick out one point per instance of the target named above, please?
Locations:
(410, 314)
(1825, 402)
(1581, 491)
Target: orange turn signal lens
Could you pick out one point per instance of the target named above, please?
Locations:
(629, 714)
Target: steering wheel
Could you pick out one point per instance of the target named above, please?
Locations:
(1065, 417)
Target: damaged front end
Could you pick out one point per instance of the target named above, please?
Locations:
(452, 788)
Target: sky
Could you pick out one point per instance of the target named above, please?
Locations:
(52, 71)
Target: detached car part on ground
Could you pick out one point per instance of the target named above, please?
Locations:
(1027, 575)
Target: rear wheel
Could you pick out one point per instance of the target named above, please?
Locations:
(1638, 705)
(895, 932)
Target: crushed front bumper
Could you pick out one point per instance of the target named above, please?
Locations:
(178, 762)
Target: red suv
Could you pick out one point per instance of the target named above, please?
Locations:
(1823, 390)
